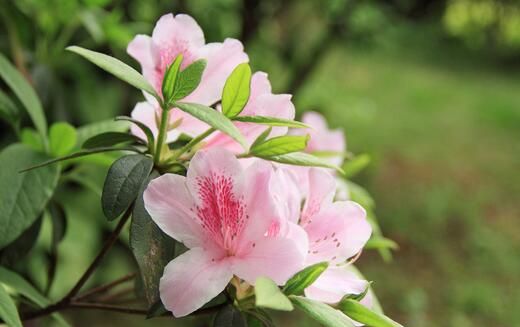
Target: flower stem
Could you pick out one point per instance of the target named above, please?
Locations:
(162, 135)
(194, 141)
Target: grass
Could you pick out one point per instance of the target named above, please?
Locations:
(444, 139)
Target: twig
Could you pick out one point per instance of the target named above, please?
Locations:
(105, 287)
(108, 307)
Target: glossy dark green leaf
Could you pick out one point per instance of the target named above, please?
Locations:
(116, 68)
(229, 316)
(152, 248)
(24, 195)
(321, 312)
(20, 247)
(62, 138)
(214, 119)
(125, 178)
(303, 159)
(279, 145)
(236, 91)
(304, 278)
(362, 314)
(157, 309)
(25, 94)
(268, 295)
(189, 79)
(109, 139)
(169, 82)
(8, 310)
(270, 121)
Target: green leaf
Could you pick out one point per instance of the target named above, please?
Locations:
(78, 155)
(24, 288)
(152, 248)
(214, 119)
(123, 182)
(236, 90)
(362, 314)
(262, 137)
(62, 138)
(146, 130)
(271, 121)
(8, 110)
(321, 312)
(87, 131)
(59, 223)
(360, 195)
(24, 196)
(279, 145)
(354, 166)
(8, 310)
(302, 159)
(170, 79)
(303, 279)
(380, 242)
(116, 68)
(20, 247)
(25, 94)
(268, 295)
(189, 79)
(110, 139)
(229, 316)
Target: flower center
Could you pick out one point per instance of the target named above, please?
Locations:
(221, 214)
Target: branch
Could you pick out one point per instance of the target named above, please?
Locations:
(105, 287)
(108, 307)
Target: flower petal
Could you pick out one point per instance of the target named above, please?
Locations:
(278, 258)
(193, 279)
(334, 283)
(145, 112)
(337, 232)
(182, 29)
(140, 48)
(222, 59)
(170, 205)
(322, 187)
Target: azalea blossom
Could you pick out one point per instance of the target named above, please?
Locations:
(337, 231)
(230, 222)
(172, 36)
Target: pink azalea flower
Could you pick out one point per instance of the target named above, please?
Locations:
(180, 34)
(337, 231)
(226, 216)
(174, 35)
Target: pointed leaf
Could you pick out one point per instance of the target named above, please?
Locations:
(24, 195)
(321, 312)
(262, 137)
(271, 121)
(171, 75)
(146, 130)
(87, 131)
(123, 182)
(8, 310)
(25, 94)
(214, 119)
(8, 110)
(110, 139)
(302, 159)
(354, 166)
(116, 68)
(279, 145)
(236, 90)
(189, 79)
(303, 279)
(268, 295)
(362, 314)
(152, 248)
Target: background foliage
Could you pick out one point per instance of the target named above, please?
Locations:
(429, 89)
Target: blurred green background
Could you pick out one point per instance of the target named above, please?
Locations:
(429, 89)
